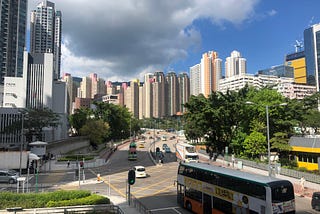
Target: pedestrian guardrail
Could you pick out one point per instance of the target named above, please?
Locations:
(102, 208)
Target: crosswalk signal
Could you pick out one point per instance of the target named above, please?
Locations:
(131, 177)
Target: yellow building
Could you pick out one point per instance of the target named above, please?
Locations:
(298, 62)
(306, 151)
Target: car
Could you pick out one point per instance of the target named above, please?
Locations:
(164, 146)
(141, 145)
(315, 201)
(140, 171)
(167, 149)
(8, 176)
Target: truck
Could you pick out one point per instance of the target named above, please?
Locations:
(186, 152)
(11, 159)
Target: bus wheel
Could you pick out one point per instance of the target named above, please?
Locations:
(188, 206)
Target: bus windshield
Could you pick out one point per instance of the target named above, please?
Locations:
(190, 149)
(192, 157)
(282, 193)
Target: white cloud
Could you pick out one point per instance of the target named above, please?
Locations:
(123, 39)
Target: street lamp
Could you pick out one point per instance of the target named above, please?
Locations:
(268, 132)
(21, 143)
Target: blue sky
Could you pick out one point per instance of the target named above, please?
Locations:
(264, 41)
(125, 39)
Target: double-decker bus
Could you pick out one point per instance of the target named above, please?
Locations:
(132, 155)
(204, 188)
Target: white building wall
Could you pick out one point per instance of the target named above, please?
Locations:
(218, 69)
(195, 80)
(14, 92)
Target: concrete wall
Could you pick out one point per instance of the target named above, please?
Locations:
(67, 145)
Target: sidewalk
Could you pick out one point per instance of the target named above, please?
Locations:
(308, 190)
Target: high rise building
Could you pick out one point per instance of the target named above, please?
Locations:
(13, 18)
(36, 89)
(184, 90)
(45, 30)
(204, 77)
(98, 87)
(147, 93)
(158, 89)
(195, 80)
(312, 51)
(235, 65)
(131, 97)
(85, 88)
(72, 84)
(172, 94)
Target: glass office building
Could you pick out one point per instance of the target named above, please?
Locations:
(279, 71)
(13, 18)
(312, 54)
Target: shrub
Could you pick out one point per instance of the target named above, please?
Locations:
(50, 199)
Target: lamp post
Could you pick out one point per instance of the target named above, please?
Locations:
(268, 132)
(21, 144)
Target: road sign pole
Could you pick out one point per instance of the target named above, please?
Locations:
(129, 195)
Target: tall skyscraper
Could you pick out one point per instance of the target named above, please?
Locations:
(312, 52)
(195, 80)
(147, 93)
(159, 109)
(172, 94)
(13, 18)
(131, 97)
(85, 88)
(184, 90)
(210, 73)
(235, 65)
(45, 30)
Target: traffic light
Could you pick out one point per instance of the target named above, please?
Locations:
(131, 177)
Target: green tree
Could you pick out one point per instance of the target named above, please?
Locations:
(195, 117)
(119, 119)
(255, 145)
(312, 120)
(79, 119)
(97, 131)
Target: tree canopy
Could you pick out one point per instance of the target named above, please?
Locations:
(238, 120)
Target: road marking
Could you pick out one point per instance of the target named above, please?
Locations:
(155, 184)
(155, 193)
(115, 189)
(167, 208)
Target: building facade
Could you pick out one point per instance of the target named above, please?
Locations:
(312, 52)
(195, 74)
(158, 92)
(184, 91)
(45, 29)
(13, 19)
(297, 60)
(235, 65)
(172, 94)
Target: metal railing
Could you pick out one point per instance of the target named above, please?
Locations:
(313, 178)
(102, 208)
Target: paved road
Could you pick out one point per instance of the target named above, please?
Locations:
(156, 192)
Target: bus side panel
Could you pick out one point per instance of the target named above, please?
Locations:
(196, 206)
(178, 156)
(215, 211)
